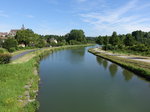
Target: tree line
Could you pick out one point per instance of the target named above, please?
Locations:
(135, 42)
(32, 40)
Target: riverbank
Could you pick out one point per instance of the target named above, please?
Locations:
(139, 67)
(19, 81)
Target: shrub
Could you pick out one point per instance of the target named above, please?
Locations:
(4, 58)
(139, 47)
(74, 42)
(2, 50)
(10, 43)
(12, 49)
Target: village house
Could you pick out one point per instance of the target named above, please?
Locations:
(3, 35)
(52, 40)
(12, 33)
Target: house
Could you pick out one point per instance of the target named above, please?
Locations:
(3, 35)
(21, 45)
(52, 40)
(13, 32)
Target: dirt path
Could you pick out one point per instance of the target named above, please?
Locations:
(132, 57)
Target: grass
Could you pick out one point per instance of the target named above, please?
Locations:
(130, 52)
(2, 50)
(13, 79)
(140, 68)
(19, 82)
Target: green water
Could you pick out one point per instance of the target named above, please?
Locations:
(76, 81)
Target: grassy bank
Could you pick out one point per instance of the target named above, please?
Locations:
(140, 68)
(19, 82)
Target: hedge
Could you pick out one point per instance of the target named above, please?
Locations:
(5, 58)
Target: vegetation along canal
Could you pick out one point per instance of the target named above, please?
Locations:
(74, 80)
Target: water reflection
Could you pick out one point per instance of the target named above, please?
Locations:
(105, 64)
(77, 51)
(113, 69)
(76, 55)
(99, 60)
(102, 62)
(87, 87)
(127, 75)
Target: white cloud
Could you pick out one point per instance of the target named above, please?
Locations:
(118, 19)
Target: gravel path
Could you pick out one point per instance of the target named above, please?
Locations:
(138, 58)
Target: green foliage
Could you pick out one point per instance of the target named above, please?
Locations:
(10, 43)
(91, 39)
(114, 40)
(12, 49)
(4, 58)
(27, 37)
(136, 43)
(99, 40)
(76, 35)
(129, 40)
(1, 43)
(74, 42)
(2, 50)
(41, 43)
(140, 47)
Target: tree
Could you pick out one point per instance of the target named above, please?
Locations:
(106, 40)
(77, 35)
(138, 35)
(40, 43)
(129, 40)
(1, 42)
(10, 44)
(25, 36)
(114, 40)
(100, 40)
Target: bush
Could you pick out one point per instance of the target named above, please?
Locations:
(12, 49)
(139, 47)
(4, 58)
(74, 42)
(10, 43)
(2, 50)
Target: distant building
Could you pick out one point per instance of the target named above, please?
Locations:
(3, 35)
(22, 45)
(52, 40)
(13, 32)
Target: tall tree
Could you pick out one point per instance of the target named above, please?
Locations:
(77, 35)
(114, 40)
(129, 40)
(25, 36)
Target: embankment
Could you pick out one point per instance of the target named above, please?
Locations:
(19, 81)
(140, 68)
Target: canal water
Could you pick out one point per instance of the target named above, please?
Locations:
(74, 80)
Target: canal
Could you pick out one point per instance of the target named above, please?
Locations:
(74, 80)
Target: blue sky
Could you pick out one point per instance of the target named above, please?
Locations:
(95, 17)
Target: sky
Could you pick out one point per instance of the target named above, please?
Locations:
(95, 17)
